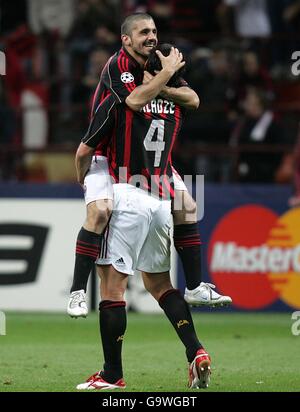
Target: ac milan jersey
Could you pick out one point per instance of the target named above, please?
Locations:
(138, 144)
(120, 76)
(140, 150)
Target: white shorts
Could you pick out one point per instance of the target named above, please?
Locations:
(178, 182)
(138, 234)
(97, 182)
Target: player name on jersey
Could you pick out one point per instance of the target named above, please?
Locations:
(159, 106)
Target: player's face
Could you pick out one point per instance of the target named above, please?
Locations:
(142, 39)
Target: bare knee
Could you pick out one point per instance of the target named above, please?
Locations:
(184, 208)
(112, 283)
(98, 214)
(157, 293)
(157, 289)
(115, 294)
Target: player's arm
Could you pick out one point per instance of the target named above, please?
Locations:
(143, 94)
(183, 96)
(100, 127)
(83, 160)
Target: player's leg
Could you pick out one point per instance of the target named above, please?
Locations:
(187, 237)
(188, 245)
(154, 262)
(112, 325)
(112, 320)
(89, 241)
(126, 232)
(98, 198)
(178, 313)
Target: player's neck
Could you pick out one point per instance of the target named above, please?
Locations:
(141, 60)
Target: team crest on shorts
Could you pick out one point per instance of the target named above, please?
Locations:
(127, 77)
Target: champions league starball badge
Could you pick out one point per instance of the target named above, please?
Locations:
(127, 77)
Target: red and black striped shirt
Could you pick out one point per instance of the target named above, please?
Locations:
(139, 141)
(119, 77)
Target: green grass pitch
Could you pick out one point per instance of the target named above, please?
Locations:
(53, 353)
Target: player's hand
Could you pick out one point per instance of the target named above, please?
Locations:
(147, 77)
(173, 62)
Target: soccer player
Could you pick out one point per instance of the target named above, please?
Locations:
(137, 235)
(121, 79)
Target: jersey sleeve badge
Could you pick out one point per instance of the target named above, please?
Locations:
(127, 77)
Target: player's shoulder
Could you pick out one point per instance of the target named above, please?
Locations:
(123, 62)
(111, 62)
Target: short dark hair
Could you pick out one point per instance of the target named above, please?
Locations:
(126, 27)
(153, 63)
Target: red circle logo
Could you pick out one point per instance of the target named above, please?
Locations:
(237, 256)
(254, 256)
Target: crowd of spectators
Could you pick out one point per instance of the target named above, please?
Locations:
(238, 55)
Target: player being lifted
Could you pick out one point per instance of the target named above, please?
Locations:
(137, 235)
(122, 81)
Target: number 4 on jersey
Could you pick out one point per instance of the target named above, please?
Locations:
(157, 146)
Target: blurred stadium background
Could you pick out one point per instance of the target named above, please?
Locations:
(244, 139)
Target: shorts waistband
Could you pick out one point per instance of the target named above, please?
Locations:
(96, 158)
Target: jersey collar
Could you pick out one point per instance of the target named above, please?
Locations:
(131, 57)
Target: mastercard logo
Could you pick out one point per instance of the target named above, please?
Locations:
(254, 256)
